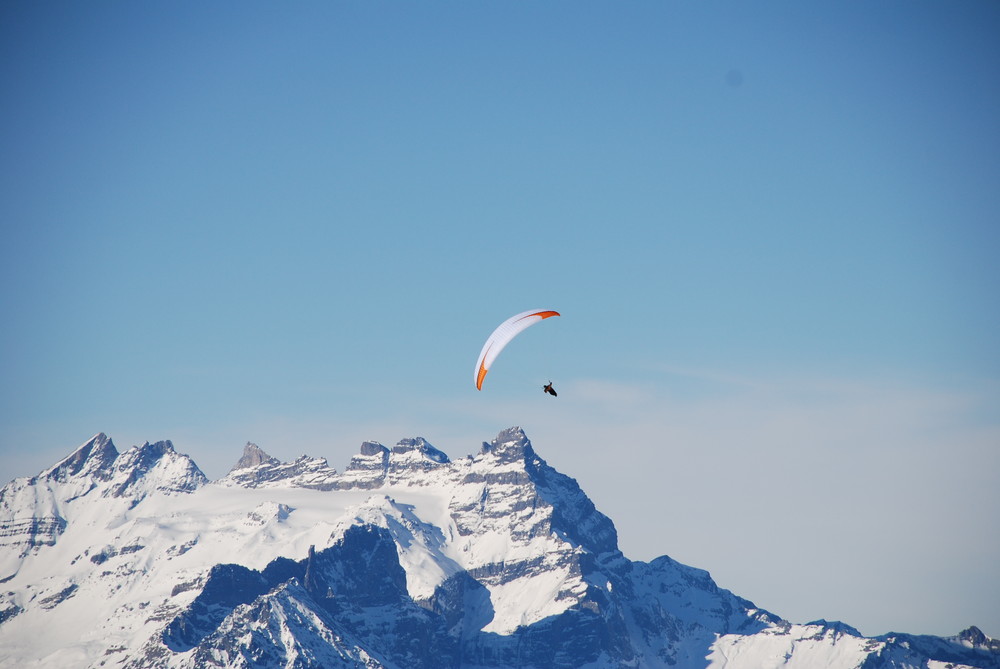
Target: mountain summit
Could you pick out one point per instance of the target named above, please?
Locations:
(406, 559)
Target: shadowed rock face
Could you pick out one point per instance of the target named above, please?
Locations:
(355, 588)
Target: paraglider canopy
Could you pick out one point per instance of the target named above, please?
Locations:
(505, 332)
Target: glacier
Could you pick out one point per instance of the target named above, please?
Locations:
(407, 559)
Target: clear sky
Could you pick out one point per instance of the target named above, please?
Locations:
(772, 230)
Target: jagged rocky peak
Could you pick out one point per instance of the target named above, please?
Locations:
(95, 457)
(573, 513)
(411, 459)
(419, 445)
(253, 456)
(256, 469)
(145, 456)
(510, 445)
(974, 637)
(156, 466)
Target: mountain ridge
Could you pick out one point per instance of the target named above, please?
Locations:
(405, 559)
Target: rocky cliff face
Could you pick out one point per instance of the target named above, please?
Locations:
(406, 559)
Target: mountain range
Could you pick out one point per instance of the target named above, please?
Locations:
(406, 559)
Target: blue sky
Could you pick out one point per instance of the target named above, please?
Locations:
(771, 229)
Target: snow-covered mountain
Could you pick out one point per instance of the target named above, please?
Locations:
(407, 560)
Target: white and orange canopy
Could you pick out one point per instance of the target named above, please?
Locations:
(506, 331)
